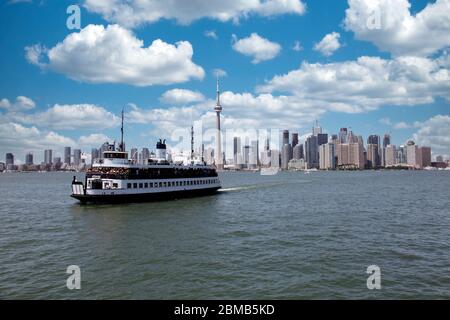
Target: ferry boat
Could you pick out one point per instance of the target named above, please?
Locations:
(116, 178)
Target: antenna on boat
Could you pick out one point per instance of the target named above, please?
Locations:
(121, 135)
(192, 142)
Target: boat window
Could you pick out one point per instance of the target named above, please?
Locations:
(115, 185)
(134, 185)
(146, 185)
(140, 185)
(129, 185)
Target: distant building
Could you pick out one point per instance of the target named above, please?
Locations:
(145, 155)
(372, 156)
(9, 159)
(343, 135)
(386, 140)
(275, 158)
(373, 139)
(298, 152)
(286, 156)
(294, 139)
(246, 153)
(95, 154)
(236, 150)
(297, 164)
(327, 156)
(29, 159)
(285, 137)
(322, 138)
(67, 153)
(350, 156)
(254, 157)
(391, 156)
(356, 155)
(401, 155)
(48, 157)
(134, 155)
(412, 154)
(317, 129)
(76, 157)
(424, 159)
(312, 152)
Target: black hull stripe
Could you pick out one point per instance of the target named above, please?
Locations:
(144, 197)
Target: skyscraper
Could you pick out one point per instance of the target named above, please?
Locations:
(134, 155)
(356, 155)
(373, 139)
(67, 152)
(350, 155)
(236, 150)
(298, 152)
(48, 156)
(424, 157)
(254, 157)
(343, 135)
(327, 156)
(145, 155)
(322, 138)
(317, 129)
(286, 156)
(218, 151)
(9, 159)
(285, 137)
(294, 139)
(312, 152)
(275, 158)
(372, 156)
(95, 154)
(401, 155)
(390, 155)
(386, 140)
(246, 155)
(412, 154)
(76, 157)
(29, 159)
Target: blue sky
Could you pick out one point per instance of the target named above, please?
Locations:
(418, 107)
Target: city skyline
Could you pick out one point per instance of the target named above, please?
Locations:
(317, 150)
(58, 89)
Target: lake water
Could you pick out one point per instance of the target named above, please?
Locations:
(287, 236)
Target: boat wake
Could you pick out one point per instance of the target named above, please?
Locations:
(256, 186)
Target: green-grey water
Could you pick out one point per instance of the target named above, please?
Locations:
(287, 236)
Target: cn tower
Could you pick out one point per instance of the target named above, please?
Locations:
(218, 153)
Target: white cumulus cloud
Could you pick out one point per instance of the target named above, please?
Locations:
(391, 26)
(367, 83)
(69, 117)
(329, 44)
(114, 55)
(22, 103)
(257, 47)
(132, 13)
(93, 140)
(435, 133)
(181, 96)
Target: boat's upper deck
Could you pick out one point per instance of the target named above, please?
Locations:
(170, 171)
